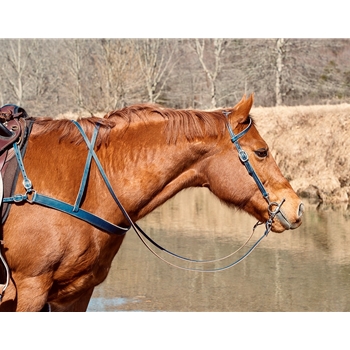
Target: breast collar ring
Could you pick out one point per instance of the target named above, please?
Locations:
(274, 208)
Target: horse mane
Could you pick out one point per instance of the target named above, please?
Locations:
(192, 124)
(69, 131)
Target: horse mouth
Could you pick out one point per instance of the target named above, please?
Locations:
(282, 218)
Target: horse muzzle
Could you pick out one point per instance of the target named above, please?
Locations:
(295, 220)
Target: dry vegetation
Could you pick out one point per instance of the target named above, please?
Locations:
(311, 146)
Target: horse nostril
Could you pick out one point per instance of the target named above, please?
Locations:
(300, 210)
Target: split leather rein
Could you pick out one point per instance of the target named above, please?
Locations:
(33, 197)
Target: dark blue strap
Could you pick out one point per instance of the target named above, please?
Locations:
(62, 206)
(86, 170)
(243, 156)
(26, 182)
(103, 174)
(234, 137)
(78, 213)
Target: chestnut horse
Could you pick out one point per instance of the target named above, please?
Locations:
(149, 154)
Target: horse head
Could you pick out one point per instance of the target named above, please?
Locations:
(259, 193)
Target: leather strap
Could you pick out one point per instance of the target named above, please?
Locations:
(32, 196)
(78, 213)
(243, 156)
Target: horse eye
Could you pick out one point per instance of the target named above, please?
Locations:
(261, 152)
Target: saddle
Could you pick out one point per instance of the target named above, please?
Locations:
(15, 126)
(12, 128)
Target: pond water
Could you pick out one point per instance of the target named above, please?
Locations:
(307, 269)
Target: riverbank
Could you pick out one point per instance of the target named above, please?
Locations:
(311, 145)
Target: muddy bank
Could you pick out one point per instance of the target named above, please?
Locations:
(311, 145)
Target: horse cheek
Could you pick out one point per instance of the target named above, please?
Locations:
(224, 179)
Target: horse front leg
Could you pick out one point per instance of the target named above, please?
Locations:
(27, 294)
(79, 305)
(9, 298)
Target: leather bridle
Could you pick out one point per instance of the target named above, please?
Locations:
(243, 156)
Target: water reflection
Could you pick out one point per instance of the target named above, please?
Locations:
(307, 269)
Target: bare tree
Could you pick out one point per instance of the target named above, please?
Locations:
(40, 77)
(279, 67)
(218, 48)
(157, 58)
(118, 71)
(75, 56)
(14, 67)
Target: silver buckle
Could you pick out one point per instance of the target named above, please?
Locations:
(243, 156)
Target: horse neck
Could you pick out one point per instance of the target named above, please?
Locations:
(147, 171)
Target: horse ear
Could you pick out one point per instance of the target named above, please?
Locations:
(241, 110)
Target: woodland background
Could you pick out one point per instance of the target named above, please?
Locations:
(91, 76)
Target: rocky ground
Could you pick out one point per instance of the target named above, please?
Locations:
(311, 145)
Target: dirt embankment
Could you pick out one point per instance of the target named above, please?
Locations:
(311, 145)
